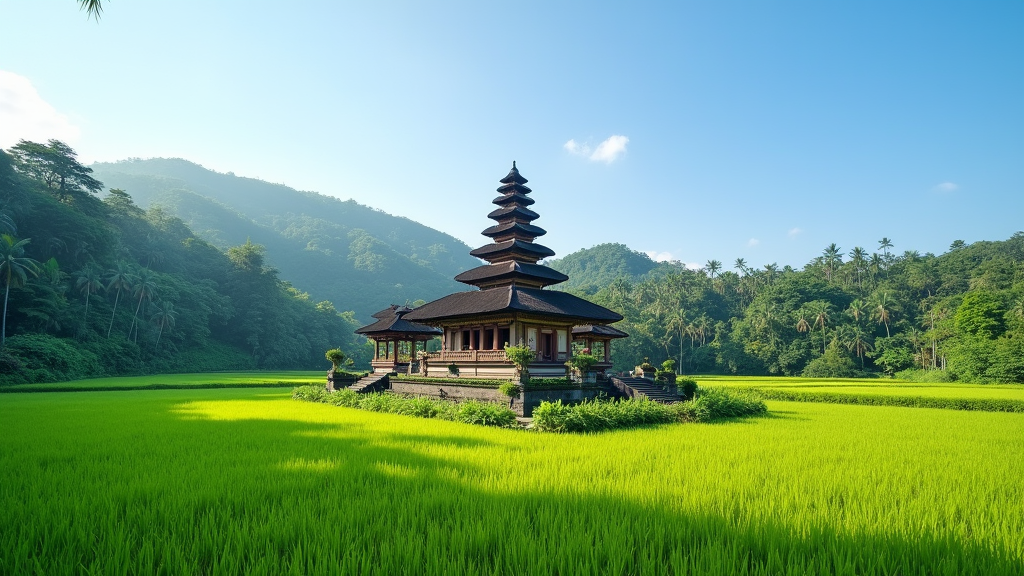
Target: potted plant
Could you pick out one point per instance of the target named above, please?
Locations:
(337, 358)
(580, 365)
(521, 357)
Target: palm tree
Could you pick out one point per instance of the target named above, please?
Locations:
(857, 309)
(832, 256)
(87, 282)
(885, 244)
(857, 342)
(820, 320)
(165, 315)
(802, 326)
(15, 269)
(858, 256)
(120, 277)
(678, 323)
(770, 270)
(882, 312)
(741, 265)
(144, 289)
(713, 266)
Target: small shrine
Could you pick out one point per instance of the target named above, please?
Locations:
(397, 340)
(510, 305)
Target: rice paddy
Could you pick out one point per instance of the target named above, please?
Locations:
(877, 387)
(237, 481)
(165, 381)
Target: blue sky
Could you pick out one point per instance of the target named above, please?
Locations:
(688, 130)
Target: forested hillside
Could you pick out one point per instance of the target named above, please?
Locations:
(101, 287)
(591, 269)
(959, 315)
(359, 257)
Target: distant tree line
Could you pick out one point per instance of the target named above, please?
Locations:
(97, 287)
(959, 315)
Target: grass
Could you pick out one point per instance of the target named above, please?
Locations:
(249, 481)
(996, 397)
(176, 381)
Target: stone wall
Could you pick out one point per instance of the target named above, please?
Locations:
(522, 406)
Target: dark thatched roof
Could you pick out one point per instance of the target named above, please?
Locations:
(600, 331)
(505, 299)
(529, 250)
(391, 321)
(512, 270)
(518, 199)
(514, 176)
(519, 229)
(513, 212)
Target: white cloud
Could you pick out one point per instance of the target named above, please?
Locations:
(946, 187)
(794, 232)
(609, 150)
(753, 242)
(577, 149)
(694, 265)
(24, 114)
(660, 256)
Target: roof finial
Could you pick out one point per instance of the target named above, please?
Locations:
(513, 164)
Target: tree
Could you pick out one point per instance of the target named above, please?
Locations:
(92, 8)
(121, 278)
(87, 282)
(857, 341)
(56, 165)
(14, 269)
(881, 312)
(857, 309)
(713, 266)
(832, 257)
(859, 257)
(164, 316)
(820, 320)
(741, 265)
(144, 289)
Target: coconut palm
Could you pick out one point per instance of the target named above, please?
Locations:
(121, 278)
(14, 269)
(712, 267)
(821, 319)
(857, 309)
(87, 282)
(882, 312)
(741, 265)
(832, 256)
(144, 289)
(859, 258)
(857, 341)
(164, 316)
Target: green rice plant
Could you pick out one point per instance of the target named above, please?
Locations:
(467, 411)
(182, 381)
(600, 415)
(248, 481)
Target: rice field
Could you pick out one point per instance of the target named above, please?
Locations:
(880, 387)
(199, 380)
(235, 481)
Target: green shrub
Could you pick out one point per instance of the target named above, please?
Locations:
(919, 375)
(687, 387)
(599, 415)
(468, 411)
(510, 389)
(833, 364)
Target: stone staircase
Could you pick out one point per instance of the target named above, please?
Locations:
(371, 383)
(643, 388)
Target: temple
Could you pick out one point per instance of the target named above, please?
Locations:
(509, 306)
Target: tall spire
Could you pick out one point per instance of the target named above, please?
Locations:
(512, 254)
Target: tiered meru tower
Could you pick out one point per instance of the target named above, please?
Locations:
(511, 305)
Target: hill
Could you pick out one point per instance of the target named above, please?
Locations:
(360, 258)
(594, 268)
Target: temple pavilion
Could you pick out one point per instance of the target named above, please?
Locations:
(509, 306)
(397, 340)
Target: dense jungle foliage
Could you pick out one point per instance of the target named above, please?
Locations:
(101, 287)
(336, 250)
(959, 315)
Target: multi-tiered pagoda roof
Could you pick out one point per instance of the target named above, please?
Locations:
(512, 280)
